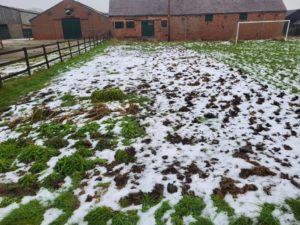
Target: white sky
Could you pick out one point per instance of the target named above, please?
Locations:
(101, 5)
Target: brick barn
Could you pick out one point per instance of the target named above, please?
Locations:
(178, 20)
(69, 19)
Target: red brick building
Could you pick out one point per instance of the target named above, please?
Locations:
(69, 20)
(178, 20)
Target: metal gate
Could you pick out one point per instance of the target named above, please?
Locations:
(4, 32)
(148, 28)
(71, 28)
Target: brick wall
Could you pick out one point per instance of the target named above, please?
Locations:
(223, 27)
(160, 33)
(48, 25)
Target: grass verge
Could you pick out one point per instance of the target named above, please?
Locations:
(15, 88)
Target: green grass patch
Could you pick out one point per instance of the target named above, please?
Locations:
(9, 151)
(67, 202)
(241, 221)
(141, 100)
(266, 217)
(15, 88)
(29, 214)
(203, 221)
(131, 128)
(38, 167)
(91, 128)
(188, 205)
(123, 157)
(68, 165)
(108, 95)
(99, 216)
(50, 130)
(68, 100)
(159, 213)
(294, 204)
(56, 142)
(148, 202)
(275, 62)
(6, 201)
(106, 143)
(125, 218)
(222, 205)
(32, 153)
(53, 181)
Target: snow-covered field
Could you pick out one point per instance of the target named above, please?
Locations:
(196, 128)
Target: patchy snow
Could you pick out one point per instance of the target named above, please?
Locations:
(51, 215)
(203, 113)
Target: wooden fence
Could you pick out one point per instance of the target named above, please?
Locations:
(61, 50)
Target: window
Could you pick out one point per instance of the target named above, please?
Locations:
(69, 12)
(130, 24)
(119, 25)
(209, 18)
(243, 16)
(164, 23)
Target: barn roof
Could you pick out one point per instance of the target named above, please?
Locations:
(76, 2)
(191, 7)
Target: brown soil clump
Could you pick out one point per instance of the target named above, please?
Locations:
(228, 186)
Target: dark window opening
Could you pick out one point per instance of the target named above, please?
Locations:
(130, 24)
(27, 33)
(164, 23)
(243, 16)
(209, 18)
(119, 25)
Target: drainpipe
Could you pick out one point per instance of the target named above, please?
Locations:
(169, 20)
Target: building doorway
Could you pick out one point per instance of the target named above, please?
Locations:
(71, 28)
(148, 28)
(4, 32)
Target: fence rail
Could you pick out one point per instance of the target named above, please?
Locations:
(62, 50)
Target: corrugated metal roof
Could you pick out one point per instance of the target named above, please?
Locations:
(191, 7)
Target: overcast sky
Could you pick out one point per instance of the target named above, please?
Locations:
(101, 5)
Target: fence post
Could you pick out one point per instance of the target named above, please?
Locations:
(27, 61)
(89, 43)
(46, 57)
(59, 51)
(1, 83)
(78, 44)
(70, 48)
(84, 41)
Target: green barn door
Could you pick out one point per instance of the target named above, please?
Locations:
(71, 28)
(4, 32)
(148, 28)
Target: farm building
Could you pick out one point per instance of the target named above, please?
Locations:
(177, 20)
(294, 17)
(69, 19)
(15, 23)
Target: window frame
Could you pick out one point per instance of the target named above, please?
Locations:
(130, 27)
(164, 23)
(209, 18)
(118, 27)
(243, 16)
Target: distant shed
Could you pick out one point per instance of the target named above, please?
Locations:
(177, 20)
(69, 19)
(15, 23)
